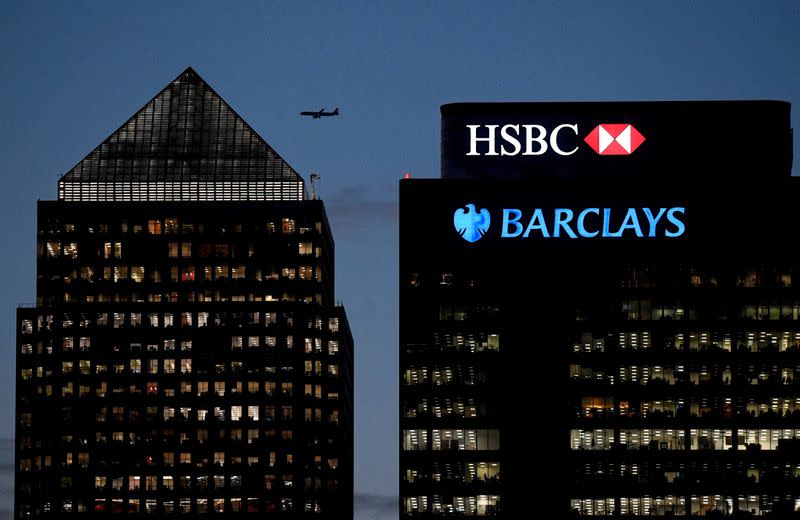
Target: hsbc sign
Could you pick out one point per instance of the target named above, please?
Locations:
(563, 139)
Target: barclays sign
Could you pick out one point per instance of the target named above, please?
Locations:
(472, 224)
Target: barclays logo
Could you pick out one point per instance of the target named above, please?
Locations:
(470, 223)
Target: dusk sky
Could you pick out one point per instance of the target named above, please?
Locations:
(74, 71)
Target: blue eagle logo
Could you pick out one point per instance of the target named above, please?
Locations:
(470, 223)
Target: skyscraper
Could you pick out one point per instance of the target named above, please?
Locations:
(600, 314)
(185, 354)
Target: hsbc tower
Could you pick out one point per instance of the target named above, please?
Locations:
(600, 313)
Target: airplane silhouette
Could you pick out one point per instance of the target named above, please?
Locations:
(321, 113)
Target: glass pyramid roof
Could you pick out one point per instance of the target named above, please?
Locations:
(186, 143)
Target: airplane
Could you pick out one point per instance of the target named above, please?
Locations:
(321, 113)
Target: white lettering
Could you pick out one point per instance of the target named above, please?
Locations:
(554, 139)
(473, 139)
(512, 140)
(539, 139)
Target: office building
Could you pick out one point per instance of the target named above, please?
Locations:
(185, 355)
(600, 313)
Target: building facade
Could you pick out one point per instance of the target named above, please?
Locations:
(599, 312)
(185, 355)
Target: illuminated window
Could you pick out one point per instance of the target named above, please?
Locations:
(186, 319)
(333, 347)
(415, 440)
(137, 273)
(87, 274)
(120, 273)
(219, 458)
(287, 225)
(153, 227)
(219, 388)
(171, 226)
(187, 274)
(252, 413)
(71, 250)
(53, 249)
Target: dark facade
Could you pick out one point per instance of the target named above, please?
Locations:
(645, 368)
(185, 355)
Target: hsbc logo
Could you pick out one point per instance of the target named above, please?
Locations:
(535, 140)
(614, 139)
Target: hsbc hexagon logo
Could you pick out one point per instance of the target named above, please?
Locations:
(614, 139)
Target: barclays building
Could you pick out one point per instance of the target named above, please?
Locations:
(600, 313)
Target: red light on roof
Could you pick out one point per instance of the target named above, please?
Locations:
(407, 175)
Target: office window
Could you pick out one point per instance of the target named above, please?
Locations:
(153, 227)
(415, 440)
(187, 274)
(287, 225)
(137, 273)
(53, 249)
(252, 413)
(171, 226)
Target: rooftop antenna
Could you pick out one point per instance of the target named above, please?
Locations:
(314, 178)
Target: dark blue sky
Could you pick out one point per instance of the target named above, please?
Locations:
(72, 72)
